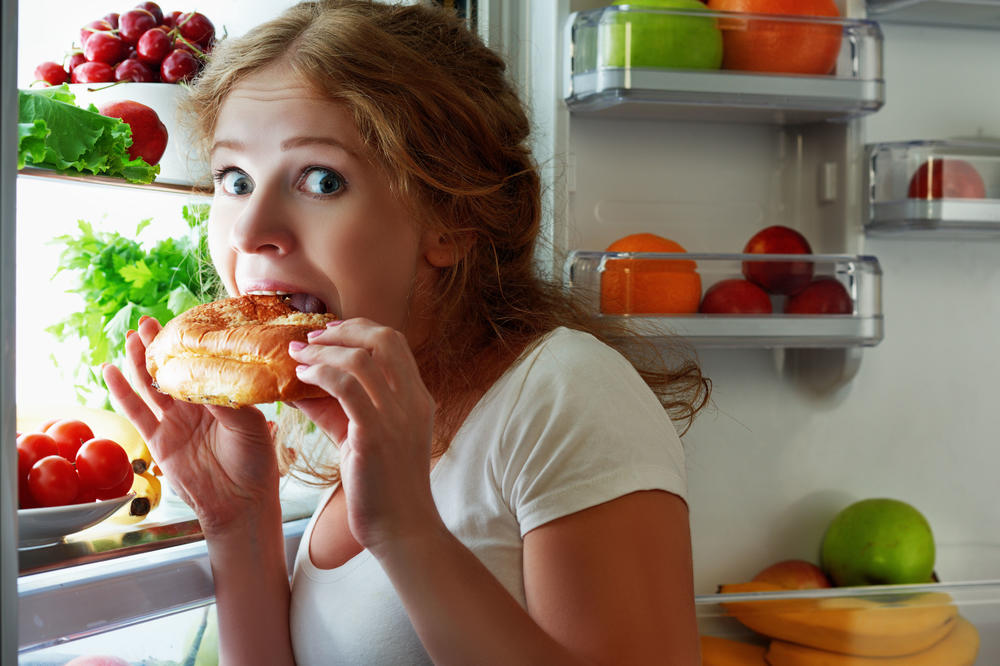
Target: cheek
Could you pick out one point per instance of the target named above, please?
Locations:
(223, 257)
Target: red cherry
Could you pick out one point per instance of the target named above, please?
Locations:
(170, 20)
(821, 296)
(112, 19)
(105, 47)
(75, 59)
(131, 69)
(179, 65)
(195, 27)
(52, 73)
(93, 72)
(98, 25)
(735, 296)
(153, 9)
(134, 23)
(153, 46)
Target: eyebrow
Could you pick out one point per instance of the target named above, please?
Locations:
(293, 142)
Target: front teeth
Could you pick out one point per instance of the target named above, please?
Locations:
(268, 293)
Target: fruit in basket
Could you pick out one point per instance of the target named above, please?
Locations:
(52, 73)
(882, 626)
(778, 277)
(794, 575)
(649, 286)
(735, 296)
(959, 647)
(143, 33)
(779, 46)
(946, 179)
(821, 296)
(878, 541)
(718, 651)
(149, 134)
(639, 38)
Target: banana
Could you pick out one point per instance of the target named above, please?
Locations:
(861, 626)
(103, 422)
(716, 651)
(958, 648)
(148, 491)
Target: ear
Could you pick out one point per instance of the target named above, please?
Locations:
(443, 250)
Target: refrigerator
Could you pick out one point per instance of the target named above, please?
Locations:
(810, 413)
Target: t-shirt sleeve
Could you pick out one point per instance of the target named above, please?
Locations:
(584, 430)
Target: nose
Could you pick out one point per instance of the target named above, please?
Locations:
(261, 227)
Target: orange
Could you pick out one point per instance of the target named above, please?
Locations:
(649, 286)
(787, 47)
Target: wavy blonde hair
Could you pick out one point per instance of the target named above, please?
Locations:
(435, 109)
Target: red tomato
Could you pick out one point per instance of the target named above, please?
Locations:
(103, 464)
(36, 445)
(69, 435)
(85, 495)
(48, 424)
(53, 481)
(120, 490)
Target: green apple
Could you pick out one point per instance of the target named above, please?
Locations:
(649, 39)
(878, 541)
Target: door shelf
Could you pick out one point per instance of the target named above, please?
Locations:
(934, 188)
(618, 285)
(850, 619)
(611, 73)
(168, 186)
(938, 13)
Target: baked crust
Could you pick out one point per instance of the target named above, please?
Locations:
(233, 352)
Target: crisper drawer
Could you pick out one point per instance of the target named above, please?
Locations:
(938, 624)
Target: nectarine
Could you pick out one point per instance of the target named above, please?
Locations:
(794, 575)
(778, 277)
(821, 296)
(735, 296)
(948, 179)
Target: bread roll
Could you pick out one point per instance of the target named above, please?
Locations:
(233, 352)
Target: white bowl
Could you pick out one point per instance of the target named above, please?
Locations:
(45, 525)
(180, 163)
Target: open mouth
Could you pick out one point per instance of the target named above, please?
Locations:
(297, 301)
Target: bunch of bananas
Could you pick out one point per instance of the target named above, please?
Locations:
(923, 628)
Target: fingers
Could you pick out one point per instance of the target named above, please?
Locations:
(135, 409)
(135, 355)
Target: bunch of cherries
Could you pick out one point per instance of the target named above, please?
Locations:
(143, 45)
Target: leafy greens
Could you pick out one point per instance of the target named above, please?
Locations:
(54, 133)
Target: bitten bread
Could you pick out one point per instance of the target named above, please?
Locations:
(233, 352)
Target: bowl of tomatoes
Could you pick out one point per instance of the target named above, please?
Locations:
(68, 480)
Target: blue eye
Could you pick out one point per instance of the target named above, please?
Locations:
(234, 181)
(320, 181)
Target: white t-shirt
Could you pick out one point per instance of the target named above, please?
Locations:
(570, 425)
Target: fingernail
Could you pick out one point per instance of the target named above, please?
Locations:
(129, 333)
(296, 345)
(313, 334)
(335, 322)
(143, 318)
(301, 368)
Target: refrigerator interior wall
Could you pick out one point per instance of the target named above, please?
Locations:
(790, 439)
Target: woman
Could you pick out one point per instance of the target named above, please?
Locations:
(510, 488)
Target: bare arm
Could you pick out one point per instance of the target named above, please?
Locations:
(608, 585)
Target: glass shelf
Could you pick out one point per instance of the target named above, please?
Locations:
(882, 621)
(603, 280)
(168, 186)
(611, 71)
(934, 188)
(938, 13)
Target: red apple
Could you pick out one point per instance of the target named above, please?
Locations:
(821, 296)
(947, 179)
(794, 575)
(149, 134)
(778, 277)
(735, 296)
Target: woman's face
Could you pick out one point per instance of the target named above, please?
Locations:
(299, 209)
